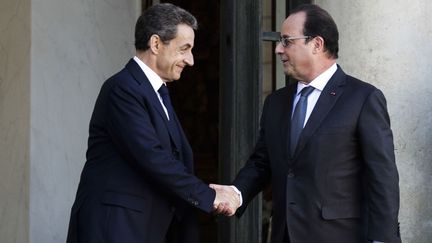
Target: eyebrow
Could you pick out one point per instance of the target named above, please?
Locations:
(187, 45)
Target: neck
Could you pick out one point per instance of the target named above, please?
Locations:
(147, 58)
(143, 56)
(318, 69)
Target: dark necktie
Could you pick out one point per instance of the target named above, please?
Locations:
(298, 118)
(164, 93)
(172, 124)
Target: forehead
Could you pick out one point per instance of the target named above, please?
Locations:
(185, 35)
(293, 25)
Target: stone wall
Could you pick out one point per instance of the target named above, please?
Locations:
(54, 56)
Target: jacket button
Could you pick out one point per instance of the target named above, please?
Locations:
(176, 153)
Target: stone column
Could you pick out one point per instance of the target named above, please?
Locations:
(54, 56)
(388, 43)
(15, 43)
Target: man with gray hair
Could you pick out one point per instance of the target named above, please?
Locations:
(137, 184)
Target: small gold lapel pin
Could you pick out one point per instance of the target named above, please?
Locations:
(333, 93)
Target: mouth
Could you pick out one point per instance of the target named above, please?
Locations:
(283, 58)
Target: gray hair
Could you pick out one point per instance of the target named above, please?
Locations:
(162, 20)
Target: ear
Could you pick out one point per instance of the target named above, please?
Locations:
(155, 43)
(318, 44)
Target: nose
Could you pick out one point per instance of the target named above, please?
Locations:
(279, 48)
(189, 59)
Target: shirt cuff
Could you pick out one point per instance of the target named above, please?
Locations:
(238, 193)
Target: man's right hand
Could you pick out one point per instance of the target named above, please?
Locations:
(227, 200)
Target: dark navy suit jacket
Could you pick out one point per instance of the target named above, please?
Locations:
(136, 177)
(341, 184)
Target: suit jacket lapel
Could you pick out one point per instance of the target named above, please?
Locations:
(331, 93)
(286, 119)
(139, 75)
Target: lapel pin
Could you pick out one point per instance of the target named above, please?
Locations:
(333, 93)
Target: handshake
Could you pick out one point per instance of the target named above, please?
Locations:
(227, 200)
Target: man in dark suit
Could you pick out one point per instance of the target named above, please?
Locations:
(334, 178)
(137, 184)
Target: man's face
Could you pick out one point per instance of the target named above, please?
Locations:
(296, 56)
(176, 55)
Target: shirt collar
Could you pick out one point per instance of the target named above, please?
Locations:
(155, 81)
(319, 82)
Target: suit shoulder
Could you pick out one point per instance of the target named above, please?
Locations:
(360, 84)
(360, 90)
(122, 79)
(279, 93)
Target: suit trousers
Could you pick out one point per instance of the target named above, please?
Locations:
(184, 229)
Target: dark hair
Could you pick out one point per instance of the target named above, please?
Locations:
(319, 23)
(162, 20)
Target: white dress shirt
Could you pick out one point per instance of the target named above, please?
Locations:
(155, 81)
(318, 83)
